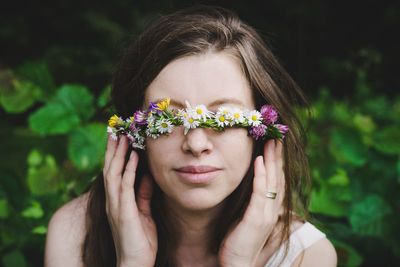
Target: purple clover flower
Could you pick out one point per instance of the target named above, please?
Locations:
(269, 114)
(258, 132)
(283, 129)
(140, 117)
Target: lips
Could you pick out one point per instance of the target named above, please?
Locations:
(197, 169)
(200, 175)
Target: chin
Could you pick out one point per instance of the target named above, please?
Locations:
(200, 201)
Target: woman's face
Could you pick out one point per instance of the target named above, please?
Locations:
(175, 161)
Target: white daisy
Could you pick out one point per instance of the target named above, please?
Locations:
(201, 112)
(190, 122)
(112, 133)
(150, 119)
(237, 116)
(222, 119)
(164, 126)
(254, 117)
(152, 132)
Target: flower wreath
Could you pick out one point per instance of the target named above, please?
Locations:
(158, 119)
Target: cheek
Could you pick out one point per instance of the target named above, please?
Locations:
(159, 151)
(237, 149)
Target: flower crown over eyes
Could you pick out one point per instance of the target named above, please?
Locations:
(159, 119)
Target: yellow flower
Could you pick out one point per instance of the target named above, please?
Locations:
(113, 121)
(163, 105)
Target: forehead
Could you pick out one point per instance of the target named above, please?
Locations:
(210, 79)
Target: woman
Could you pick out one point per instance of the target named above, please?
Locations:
(202, 197)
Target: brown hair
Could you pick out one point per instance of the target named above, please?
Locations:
(192, 31)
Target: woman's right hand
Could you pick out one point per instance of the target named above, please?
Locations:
(132, 226)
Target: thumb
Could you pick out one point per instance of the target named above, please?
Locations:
(144, 195)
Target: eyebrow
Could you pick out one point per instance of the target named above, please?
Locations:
(212, 104)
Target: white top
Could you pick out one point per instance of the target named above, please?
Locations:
(305, 236)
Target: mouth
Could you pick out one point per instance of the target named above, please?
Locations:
(197, 174)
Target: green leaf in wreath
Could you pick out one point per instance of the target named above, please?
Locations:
(86, 146)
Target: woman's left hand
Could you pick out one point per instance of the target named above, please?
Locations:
(244, 243)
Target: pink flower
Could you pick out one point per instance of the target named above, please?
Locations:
(269, 114)
(140, 117)
(258, 131)
(282, 128)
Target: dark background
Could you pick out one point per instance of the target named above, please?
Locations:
(313, 39)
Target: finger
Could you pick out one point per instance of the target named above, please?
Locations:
(127, 193)
(270, 166)
(128, 179)
(279, 155)
(144, 195)
(271, 208)
(280, 173)
(110, 151)
(118, 161)
(113, 175)
(257, 200)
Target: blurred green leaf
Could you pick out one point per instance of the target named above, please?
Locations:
(387, 139)
(367, 216)
(17, 95)
(347, 255)
(346, 146)
(42, 179)
(14, 258)
(38, 74)
(72, 105)
(340, 112)
(86, 146)
(76, 98)
(34, 211)
(34, 158)
(41, 230)
(4, 209)
(52, 119)
(364, 123)
(340, 178)
(325, 201)
(104, 97)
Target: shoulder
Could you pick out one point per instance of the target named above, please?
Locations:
(66, 232)
(321, 253)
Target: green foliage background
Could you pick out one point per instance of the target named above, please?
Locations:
(53, 141)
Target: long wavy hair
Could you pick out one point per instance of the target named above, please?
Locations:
(192, 31)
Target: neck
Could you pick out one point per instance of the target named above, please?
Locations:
(195, 234)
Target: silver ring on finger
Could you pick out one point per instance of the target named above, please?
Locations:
(270, 194)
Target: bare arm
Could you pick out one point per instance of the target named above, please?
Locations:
(321, 254)
(66, 231)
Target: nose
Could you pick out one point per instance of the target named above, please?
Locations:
(197, 142)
